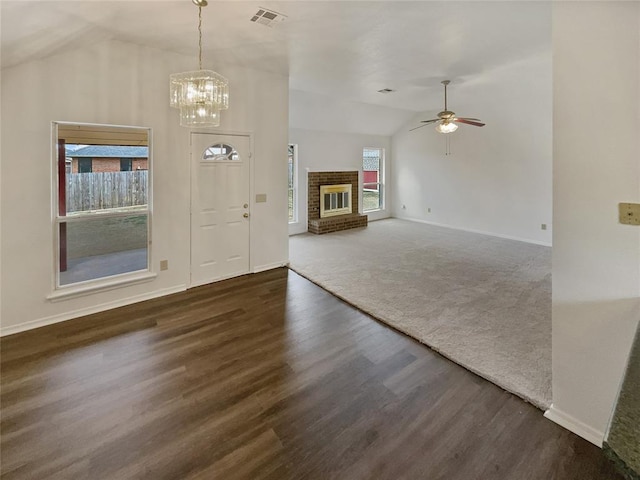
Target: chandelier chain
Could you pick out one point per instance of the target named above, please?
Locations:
(199, 38)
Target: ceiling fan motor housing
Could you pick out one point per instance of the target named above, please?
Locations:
(446, 115)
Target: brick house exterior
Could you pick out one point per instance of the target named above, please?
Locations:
(108, 158)
(106, 164)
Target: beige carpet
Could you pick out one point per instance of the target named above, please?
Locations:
(482, 301)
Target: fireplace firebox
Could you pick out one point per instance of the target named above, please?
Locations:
(335, 200)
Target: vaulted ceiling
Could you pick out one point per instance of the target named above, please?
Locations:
(347, 50)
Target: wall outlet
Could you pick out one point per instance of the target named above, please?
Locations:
(164, 264)
(543, 226)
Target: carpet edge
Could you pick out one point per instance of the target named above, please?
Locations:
(538, 403)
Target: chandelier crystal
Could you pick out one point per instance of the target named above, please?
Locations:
(202, 94)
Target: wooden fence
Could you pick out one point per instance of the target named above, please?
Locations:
(101, 190)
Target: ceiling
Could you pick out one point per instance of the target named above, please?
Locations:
(347, 50)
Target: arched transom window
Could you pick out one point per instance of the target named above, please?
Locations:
(221, 152)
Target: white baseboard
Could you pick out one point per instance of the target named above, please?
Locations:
(42, 322)
(574, 425)
(270, 266)
(376, 215)
(491, 234)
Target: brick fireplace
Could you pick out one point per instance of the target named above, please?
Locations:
(334, 223)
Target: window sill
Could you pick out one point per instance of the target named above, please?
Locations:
(103, 286)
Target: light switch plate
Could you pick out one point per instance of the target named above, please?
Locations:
(261, 198)
(629, 213)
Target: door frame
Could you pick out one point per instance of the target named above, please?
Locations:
(230, 133)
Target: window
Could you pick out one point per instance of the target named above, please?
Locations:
(102, 218)
(221, 152)
(372, 179)
(126, 164)
(85, 165)
(293, 183)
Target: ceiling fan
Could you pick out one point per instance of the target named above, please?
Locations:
(447, 119)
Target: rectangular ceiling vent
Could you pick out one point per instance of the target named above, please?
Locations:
(268, 17)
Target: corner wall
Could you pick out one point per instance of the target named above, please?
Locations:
(596, 260)
(118, 83)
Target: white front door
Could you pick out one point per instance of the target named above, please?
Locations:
(220, 176)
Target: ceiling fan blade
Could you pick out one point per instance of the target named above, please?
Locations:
(469, 122)
(419, 126)
(430, 121)
(472, 119)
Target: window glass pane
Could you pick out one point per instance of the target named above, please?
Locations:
(126, 164)
(221, 152)
(372, 179)
(103, 217)
(102, 247)
(371, 159)
(84, 165)
(370, 201)
(291, 216)
(106, 190)
(291, 167)
(292, 182)
(116, 177)
(371, 165)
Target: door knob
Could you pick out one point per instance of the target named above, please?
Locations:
(246, 215)
(246, 205)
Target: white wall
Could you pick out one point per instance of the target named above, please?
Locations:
(329, 151)
(118, 83)
(596, 260)
(498, 178)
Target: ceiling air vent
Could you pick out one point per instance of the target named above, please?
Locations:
(386, 90)
(268, 17)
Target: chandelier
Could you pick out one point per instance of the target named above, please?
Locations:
(202, 94)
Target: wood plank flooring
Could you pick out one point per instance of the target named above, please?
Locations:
(262, 377)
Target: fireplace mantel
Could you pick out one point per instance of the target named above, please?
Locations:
(352, 219)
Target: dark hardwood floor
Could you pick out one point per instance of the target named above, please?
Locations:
(262, 377)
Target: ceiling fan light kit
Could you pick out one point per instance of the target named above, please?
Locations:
(447, 120)
(201, 94)
(448, 127)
